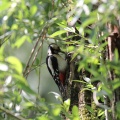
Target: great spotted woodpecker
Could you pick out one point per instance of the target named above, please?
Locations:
(56, 66)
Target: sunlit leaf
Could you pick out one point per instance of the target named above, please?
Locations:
(20, 41)
(70, 48)
(75, 111)
(4, 5)
(18, 99)
(66, 104)
(24, 20)
(61, 25)
(58, 33)
(56, 111)
(100, 113)
(28, 104)
(116, 56)
(20, 15)
(43, 118)
(14, 27)
(16, 64)
(88, 22)
(20, 79)
(70, 29)
(33, 10)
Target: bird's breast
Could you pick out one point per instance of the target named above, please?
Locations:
(62, 64)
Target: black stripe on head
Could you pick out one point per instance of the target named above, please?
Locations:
(54, 48)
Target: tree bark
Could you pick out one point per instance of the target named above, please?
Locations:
(113, 44)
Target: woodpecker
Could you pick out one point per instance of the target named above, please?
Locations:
(57, 66)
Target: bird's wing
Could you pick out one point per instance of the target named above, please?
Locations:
(52, 65)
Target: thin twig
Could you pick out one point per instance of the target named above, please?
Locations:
(32, 53)
(36, 53)
(34, 68)
(96, 100)
(34, 59)
(40, 71)
(28, 66)
(11, 114)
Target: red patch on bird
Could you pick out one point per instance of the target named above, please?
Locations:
(62, 77)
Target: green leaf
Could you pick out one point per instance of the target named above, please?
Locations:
(43, 118)
(118, 108)
(61, 25)
(37, 61)
(70, 29)
(66, 104)
(20, 79)
(89, 21)
(116, 55)
(14, 27)
(56, 111)
(89, 109)
(75, 111)
(4, 5)
(20, 15)
(17, 97)
(70, 48)
(100, 113)
(16, 64)
(115, 83)
(28, 104)
(107, 90)
(26, 88)
(21, 40)
(33, 10)
(58, 33)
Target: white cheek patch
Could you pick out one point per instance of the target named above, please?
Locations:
(49, 52)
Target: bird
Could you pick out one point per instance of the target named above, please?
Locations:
(57, 66)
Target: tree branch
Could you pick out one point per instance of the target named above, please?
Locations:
(11, 114)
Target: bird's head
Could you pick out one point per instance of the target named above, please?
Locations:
(54, 49)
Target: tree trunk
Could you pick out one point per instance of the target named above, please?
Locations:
(113, 44)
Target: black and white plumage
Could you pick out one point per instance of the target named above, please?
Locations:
(56, 66)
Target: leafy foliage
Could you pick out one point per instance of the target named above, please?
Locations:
(23, 23)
